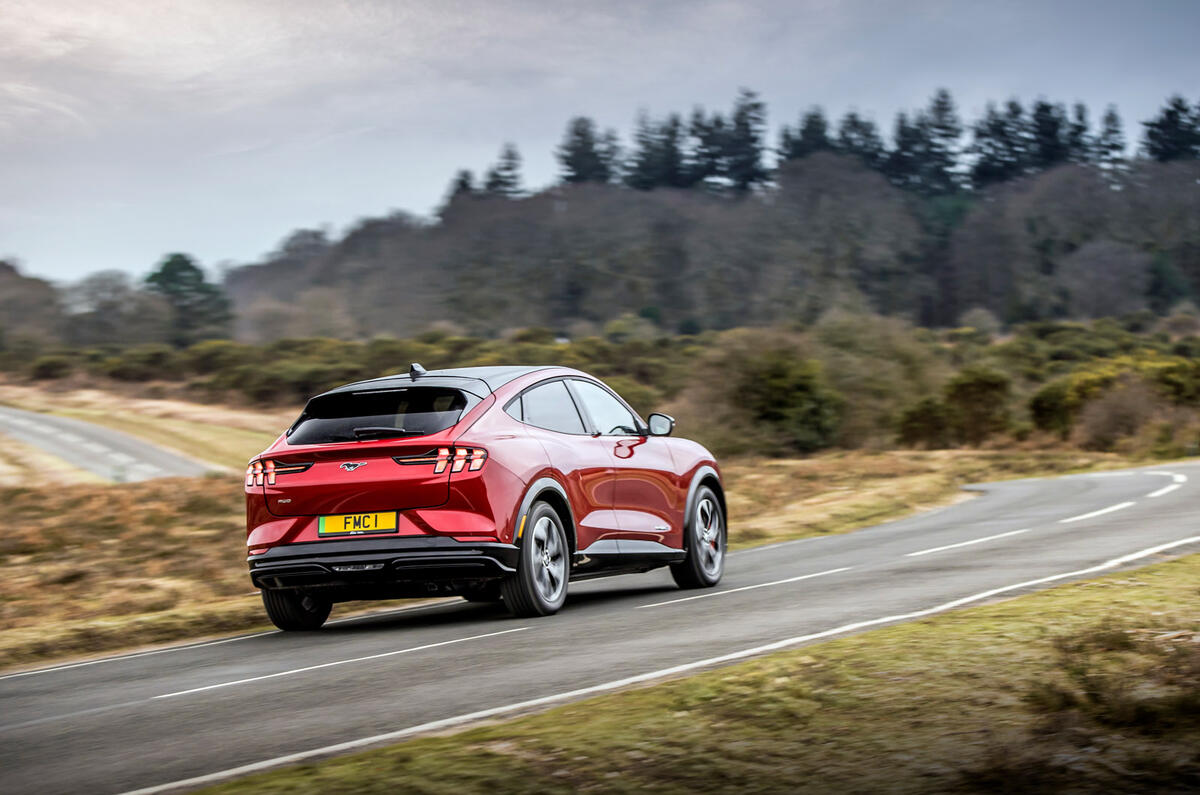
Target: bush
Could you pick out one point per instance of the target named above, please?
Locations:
(788, 394)
(977, 399)
(144, 363)
(45, 368)
(926, 423)
(213, 356)
(1117, 414)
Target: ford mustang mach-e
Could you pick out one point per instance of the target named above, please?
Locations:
(491, 483)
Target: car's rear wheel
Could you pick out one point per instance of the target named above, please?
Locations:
(539, 586)
(705, 561)
(293, 611)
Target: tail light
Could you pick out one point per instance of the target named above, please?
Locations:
(264, 471)
(455, 458)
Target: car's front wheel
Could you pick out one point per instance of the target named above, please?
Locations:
(705, 561)
(293, 611)
(539, 586)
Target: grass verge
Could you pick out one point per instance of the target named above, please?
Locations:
(1030, 694)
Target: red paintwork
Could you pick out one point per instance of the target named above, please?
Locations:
(619, 487)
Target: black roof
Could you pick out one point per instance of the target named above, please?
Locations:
(480, 380)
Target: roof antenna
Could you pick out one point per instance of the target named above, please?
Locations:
(415, 369)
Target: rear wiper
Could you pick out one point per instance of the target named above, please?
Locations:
(381, 432)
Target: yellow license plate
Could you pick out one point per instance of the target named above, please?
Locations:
(356, 524)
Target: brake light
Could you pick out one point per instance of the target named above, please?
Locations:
(264, 471)
(456, 459)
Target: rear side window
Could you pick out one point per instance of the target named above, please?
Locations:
(549, 406)
(386, 414)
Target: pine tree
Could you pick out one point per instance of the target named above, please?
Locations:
(609, 150)
(943, 130)
(743, 145)
(859, 137)
(706, 158)
(1110, 143)
(1049, 135)
(903, 164)
(811, 135)
(580, 154)
(1174, 134)
(1080, 147)
(200, 309)
(504, 178)
(1000, 145)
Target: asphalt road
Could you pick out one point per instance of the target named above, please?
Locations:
(112, 455)
(159, 718)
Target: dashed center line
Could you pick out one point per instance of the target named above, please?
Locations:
(339, 662)
(967, 543)
(1101, 512)
(1164, 490)
(745, 588)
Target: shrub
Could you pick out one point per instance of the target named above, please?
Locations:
(49, 367)
(144, 363)
(212, 356)
(1118, 413)
(788, 394)
(977, 399)
(926, 423)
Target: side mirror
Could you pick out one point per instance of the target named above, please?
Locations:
(660, 424)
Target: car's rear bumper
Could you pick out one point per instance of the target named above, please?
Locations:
(361, 568)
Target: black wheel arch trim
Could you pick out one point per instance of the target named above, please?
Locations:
(703, 473)
(535, 490)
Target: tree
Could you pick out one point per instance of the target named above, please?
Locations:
(811, 135)
(1050, 147)
(1000, 145)
(906, 161)
(580, 153)
(199, 309)
(504, 178)
(1110, 143)
(1080, 147)
(860, 138)
(743, 148)
(943, 131)
(658, 159)
(1174, 134)
(707, 156)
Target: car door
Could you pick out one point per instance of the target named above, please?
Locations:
(646, 494)
(584, 460)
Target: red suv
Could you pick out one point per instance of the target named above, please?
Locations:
(492, 483)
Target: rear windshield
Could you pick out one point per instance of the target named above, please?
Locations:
(391, 414)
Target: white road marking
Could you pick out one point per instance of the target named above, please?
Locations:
(1100, 512)
(1179, 478)
(616, 684)
(70, 438)
(783, 544)
(340, 662)
(745, 588)
(120, 657)
(1164, 490)
(967, 543)
(189, 646)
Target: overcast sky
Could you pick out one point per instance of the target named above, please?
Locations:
(131, 128)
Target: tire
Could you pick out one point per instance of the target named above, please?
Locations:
(706, 541)
(539, 586)
(293, 611)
